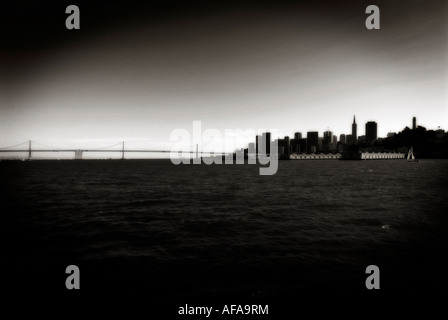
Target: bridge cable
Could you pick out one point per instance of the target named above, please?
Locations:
(46, 146)
(26, 142)
(119, 143)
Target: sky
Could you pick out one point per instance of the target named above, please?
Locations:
(136, 71)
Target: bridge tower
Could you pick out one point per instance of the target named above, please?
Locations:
(78, 154)
(29, 149)
(122, 151)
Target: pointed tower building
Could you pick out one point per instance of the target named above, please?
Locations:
(354, 131)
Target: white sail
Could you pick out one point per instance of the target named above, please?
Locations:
(410, 153)
(411, 156)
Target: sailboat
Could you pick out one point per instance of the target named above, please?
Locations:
(411, 157)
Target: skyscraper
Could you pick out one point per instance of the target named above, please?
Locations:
(371, 131)
(349, 139)
(287, 147)
(281, 143)
(354, 131)
(328, 135)
(342, 139)
(302, 146)
(251, 148)
(312, 140)
(256, 145)
(294, 143)
(414, 123)
(267, 142)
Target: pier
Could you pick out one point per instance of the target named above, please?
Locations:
(350, 156)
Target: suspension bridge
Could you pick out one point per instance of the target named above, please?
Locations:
(27, 149)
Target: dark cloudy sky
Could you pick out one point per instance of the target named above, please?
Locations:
(138, 70)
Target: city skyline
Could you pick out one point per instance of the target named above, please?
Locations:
(219, 158)
(299, 142)
(313, 142)
(285, 65)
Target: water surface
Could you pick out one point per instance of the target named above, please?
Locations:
(224, 230)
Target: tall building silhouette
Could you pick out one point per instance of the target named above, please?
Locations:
(354, 131)
(295, 142)
(342, 139)
(302, 145)
(287, 146)
(371, 131)
(256, 144)
(265, 148)
(414, 123)
(349, 139)
(328, 135)
(251, 148)
(281, 143)
(312, 141)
